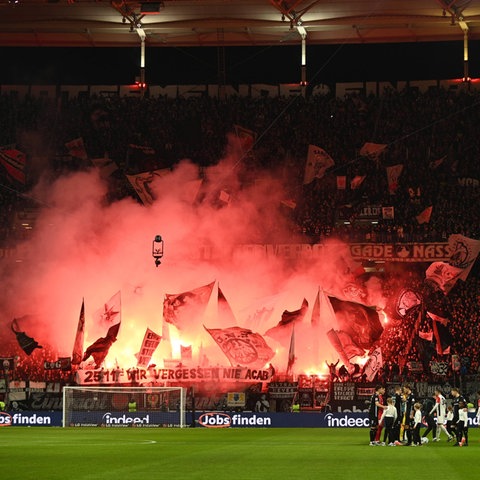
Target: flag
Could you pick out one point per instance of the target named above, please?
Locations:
(110, 314)
(224, 197)
(436, 163)
(443, 337)
(374, 364)
(225, 313)
(341, 182)
(242, 347)
(357, 181)
(105, 165)
(372, 150)
(388, 213)
(284, 326)
(318, 162)
(141, 182)
(289, 203)
(76, 148)
(99, 349)
(27, 344)
(360, 322)
(425, 215)
(150, 342)
(78, 344)
(13, 161)
(291, 352)
(464, 253)
(186, 352)
(344, 345)
(443, 275)
(393, 174)
(183, 310)
(245, 137)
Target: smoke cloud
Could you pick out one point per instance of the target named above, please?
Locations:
(83, 247)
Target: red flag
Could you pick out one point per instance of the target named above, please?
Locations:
(76, 148)
(13, 161)
(185, 309)
(242, 346)
(78, 345)
(186, 352)
(425, 215)
(99, 349)
(285, 325)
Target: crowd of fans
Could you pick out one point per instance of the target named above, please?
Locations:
(433, 134)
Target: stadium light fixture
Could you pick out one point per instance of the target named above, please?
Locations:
(157, 249)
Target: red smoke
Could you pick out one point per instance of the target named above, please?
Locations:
(83, 248)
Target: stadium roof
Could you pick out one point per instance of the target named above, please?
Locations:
(103, 23)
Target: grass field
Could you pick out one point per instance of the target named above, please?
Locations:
(278, 453)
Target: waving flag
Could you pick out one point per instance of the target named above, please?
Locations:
(141, 182)
(184, 310)
(374, 364)
(357, 181)
(425, 215)
(27, 344)
(372, 150)
(186, 353)
(99, 349)
(344, 345)
(78, 344)
(285, 325)
(110, 314)
(318, 162)
(464, 253)
(443, 275)
(393, 175)
(76, 148)
(13, 161)
(358, 327)
(242, 346)
(443, 337)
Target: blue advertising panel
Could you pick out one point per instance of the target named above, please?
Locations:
(202, 419)
(30, 419)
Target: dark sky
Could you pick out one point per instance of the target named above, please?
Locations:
(198, 65)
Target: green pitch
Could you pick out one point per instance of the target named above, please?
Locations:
(39, 453)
